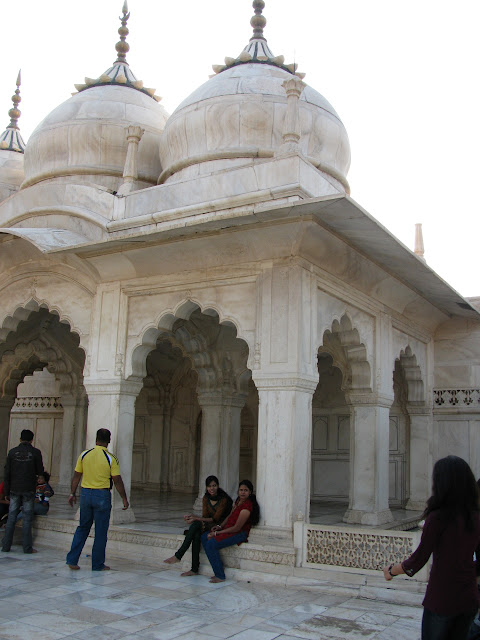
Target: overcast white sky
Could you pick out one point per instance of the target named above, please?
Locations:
(403, 77)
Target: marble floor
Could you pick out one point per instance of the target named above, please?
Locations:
(41, 599)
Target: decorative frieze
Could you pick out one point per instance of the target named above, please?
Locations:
(37, 403)
(445, 398)
(356, 550)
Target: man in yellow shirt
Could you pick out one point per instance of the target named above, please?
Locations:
(98, 469)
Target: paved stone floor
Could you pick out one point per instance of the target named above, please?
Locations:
(41, 599)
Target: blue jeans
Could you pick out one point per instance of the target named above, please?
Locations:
(95, 506)
(437, 627)
(213, 546)
(17, 500)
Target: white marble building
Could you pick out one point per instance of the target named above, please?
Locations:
(203, 285)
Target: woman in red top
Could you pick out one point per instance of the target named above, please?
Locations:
(234, 530)
(452, 533)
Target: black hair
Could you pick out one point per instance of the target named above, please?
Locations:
(26, 435)
(255, 515)
(46, 475)
(103, 435)
(220, 492)
(454, 491)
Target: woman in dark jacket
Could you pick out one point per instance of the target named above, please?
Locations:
(216, 505)
(452, 533)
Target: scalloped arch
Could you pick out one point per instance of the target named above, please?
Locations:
(136, 363)
(413, 376)
(342, 342)
(9, 323)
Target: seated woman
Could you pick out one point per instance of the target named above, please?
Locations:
(215, 506)
(234, 530)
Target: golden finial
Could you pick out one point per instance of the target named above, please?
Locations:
(15, 112)
(122, 46)
(258, 21)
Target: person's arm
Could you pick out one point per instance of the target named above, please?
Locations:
(422, 553)
(6, 478)
(49, 492)
(39, 470)
(120, 487)
(243, 516)
(72, 498)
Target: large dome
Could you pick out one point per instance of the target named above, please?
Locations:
(240, 114)
(85, 137)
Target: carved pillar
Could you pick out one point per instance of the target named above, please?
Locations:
(130, 172)
(220, 439)
(284, 450)
(67, 462)
(369, 460)
(6, 404)
(112, 406)
(167, 425)
(81, 426)
(421, 460)
(291, 128)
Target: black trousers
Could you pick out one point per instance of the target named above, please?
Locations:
(192, 537)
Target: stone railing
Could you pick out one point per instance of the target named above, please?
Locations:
(38, 403)
(345, 548)
(446, 398)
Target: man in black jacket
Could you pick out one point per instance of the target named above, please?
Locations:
(24, 464)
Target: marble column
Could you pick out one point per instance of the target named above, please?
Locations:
(284, 450)
(67, 463)
(420, 454)
(6, 405)
(369, 460)
(112, 406)
(220, 440)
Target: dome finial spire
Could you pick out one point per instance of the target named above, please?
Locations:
(15, 112)
(258, 21)
(122, 45)
(11, 138)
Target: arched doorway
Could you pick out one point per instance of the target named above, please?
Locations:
(41, 385)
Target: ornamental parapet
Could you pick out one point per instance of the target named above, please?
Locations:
(37, 403)
(456, 399)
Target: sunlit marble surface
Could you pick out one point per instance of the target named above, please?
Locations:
(42, 599)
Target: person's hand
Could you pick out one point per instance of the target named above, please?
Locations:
(72, 499)
(386, 574)
(189, 518)
(217, 527)
(126, 504)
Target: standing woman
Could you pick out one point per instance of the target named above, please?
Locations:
(234, 530)
(215, 506)
(452, 533)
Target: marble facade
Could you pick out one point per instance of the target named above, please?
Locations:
(205, 287)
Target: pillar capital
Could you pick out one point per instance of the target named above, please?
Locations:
(111, 387)
(220, 398)
(287, 382)
(369, 399)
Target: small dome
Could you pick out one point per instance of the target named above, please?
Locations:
(239, 114)
(84, 139)
(12, 147)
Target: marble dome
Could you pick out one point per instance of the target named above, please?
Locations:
(84, 138)
(239, 113)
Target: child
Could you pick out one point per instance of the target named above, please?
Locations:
(42, 495)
